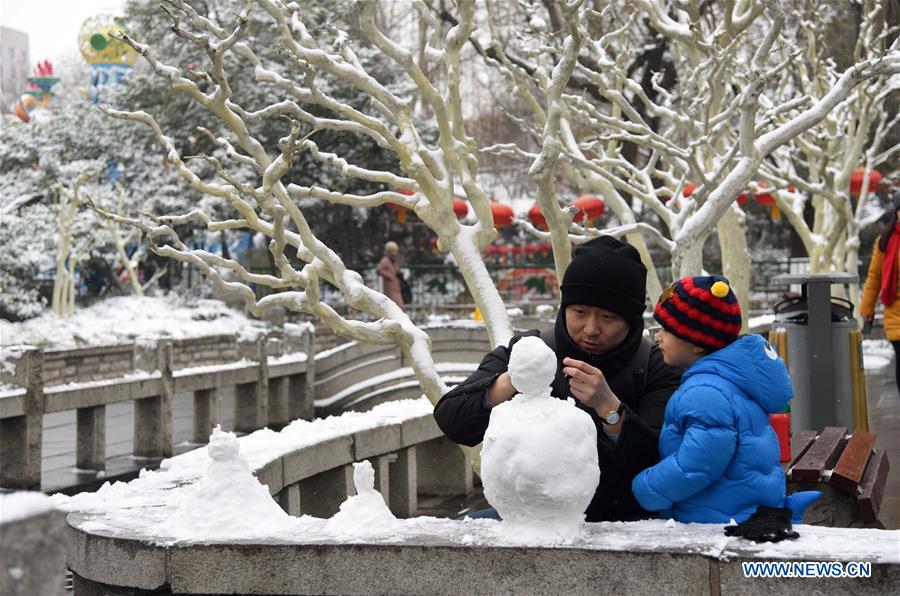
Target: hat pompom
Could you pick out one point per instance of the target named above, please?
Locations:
(719, 289)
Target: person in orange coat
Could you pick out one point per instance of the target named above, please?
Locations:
(882, 282)
(390, 274)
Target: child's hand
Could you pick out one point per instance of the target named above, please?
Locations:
(588, 385)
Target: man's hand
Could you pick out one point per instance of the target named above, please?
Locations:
(588, 385)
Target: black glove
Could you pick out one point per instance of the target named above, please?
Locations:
(767, 524)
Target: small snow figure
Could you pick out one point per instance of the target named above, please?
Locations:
(364, 515)
(539, 461)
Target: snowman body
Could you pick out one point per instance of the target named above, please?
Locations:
(539, 460)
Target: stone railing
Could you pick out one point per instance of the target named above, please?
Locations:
(439, 556)
(356, 376)
(272, 377)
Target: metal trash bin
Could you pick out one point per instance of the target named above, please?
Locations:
(819, 339)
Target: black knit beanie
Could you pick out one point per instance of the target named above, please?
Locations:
(606, 273)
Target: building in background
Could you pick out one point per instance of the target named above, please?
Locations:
(15, 66)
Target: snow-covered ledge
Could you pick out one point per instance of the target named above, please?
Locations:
(158, 531)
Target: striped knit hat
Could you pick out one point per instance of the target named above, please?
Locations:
(700, 310)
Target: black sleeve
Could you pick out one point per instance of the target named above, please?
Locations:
(462, 413)
(638, 445)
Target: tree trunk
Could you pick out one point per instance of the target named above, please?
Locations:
(732, 232)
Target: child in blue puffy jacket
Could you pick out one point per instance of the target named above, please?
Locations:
(719, 455)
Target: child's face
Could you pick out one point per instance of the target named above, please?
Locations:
(676, 351)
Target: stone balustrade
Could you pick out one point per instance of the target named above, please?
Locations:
(430, 555)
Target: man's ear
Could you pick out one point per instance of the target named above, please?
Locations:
(698, 350)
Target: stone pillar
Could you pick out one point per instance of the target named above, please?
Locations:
(252, 399)
(402, 485)
(90, 446)
(206, 414)
(382, 465)
(443, 469)
(289, 499)
(278, 413)
(153, 415)
(34, 555)
(21, 437)
(301, 388)
(322, 495)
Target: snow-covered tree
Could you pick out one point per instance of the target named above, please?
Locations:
(671, 110)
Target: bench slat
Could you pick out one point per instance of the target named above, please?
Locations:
(800, 443)
(848, 471)
(820, 456)
(872, 486)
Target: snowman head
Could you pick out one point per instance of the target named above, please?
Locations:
(532, 366)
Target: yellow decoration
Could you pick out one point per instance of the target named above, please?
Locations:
(99, 46)
(667, 293)
(719, 289)
(477, 315)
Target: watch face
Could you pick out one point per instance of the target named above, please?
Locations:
(612, 417)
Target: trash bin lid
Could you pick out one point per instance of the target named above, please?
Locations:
(796, 310)
(835, 277)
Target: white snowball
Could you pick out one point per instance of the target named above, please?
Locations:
(532, 366)
(539, 460)
(364, 515)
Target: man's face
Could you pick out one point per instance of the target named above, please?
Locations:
(595, 330)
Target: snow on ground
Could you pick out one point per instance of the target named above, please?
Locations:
(19, 505)
(145, 507)
(877, 354)
(124, 318)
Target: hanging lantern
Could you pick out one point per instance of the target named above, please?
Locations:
(859, 175)
(503, 214)
(537, 217)
(742, 198)
(460, 208)
(765, 198)
(589, 207)
(687, 191)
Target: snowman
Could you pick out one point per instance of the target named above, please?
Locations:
(539, 460)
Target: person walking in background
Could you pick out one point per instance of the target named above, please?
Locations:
(390, 274)
(882, 280)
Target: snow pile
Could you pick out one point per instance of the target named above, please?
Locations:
(20, 505)
(124, 318)
(364, 515)
(539, 461)
(877, 354)
(545, 311)
(228, 502)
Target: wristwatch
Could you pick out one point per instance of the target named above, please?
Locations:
(613, 416)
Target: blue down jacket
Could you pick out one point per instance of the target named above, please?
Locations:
(718, 453)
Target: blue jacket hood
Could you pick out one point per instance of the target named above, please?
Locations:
(753, 366)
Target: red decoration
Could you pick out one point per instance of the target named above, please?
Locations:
(762, 197)
(689, 189)
(857, 177)
(406, 191)
(742, 199)
(590, 207)
(401, 211)
(782, 425)
(537, 217)
(503, 214)
(460, 208)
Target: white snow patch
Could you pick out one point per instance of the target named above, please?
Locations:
(514, 312)
(125, 318)
(17, 573)
(19, 505)
(877, 354)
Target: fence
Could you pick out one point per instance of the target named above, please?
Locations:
(272, 377)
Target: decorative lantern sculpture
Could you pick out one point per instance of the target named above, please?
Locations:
(38, 93)
(858, 177)
(590, 208)
(110, 58)
(502, 213)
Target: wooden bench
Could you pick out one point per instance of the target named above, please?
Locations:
(846, 469)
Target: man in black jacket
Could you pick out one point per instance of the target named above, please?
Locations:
(603, 360)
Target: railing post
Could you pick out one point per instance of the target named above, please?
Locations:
(90, 446)
(21, 437)
(301, 388)
(279, 416)
(206, 414)
(153, 415)
(443, 469)
(403, 485)
(252, 399)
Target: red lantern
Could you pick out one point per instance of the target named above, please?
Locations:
(406, 191)
(537, 217)
(503, 214)
(857, 178)
(742, 199)
(460, 208)
(762, 197)
(689, 189)
(590, 207)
